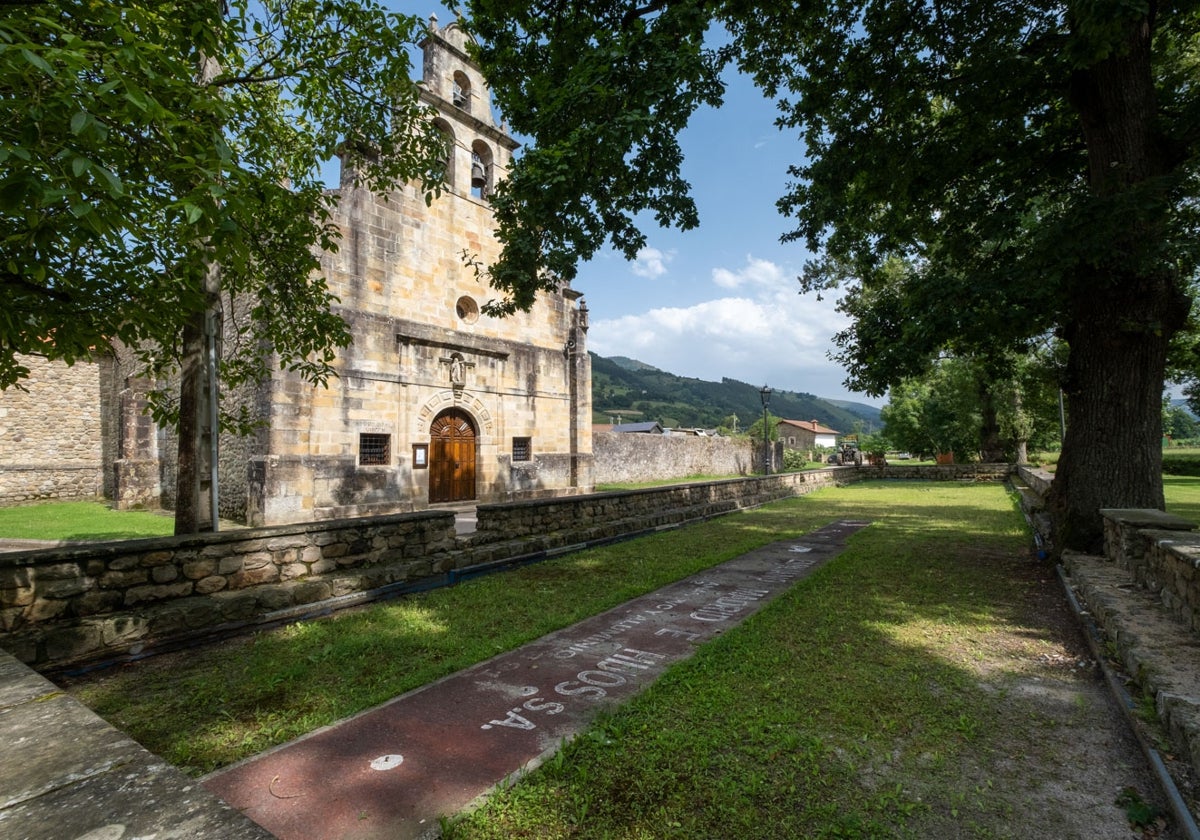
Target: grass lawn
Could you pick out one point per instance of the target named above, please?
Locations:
(85, 521)
(1183, 496)
(875, 698)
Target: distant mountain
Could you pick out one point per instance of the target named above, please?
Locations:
(869, 413)
(1178, 402)
(626, 390)
(630, 364)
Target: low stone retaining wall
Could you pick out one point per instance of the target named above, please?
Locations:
(1144, 593)
(599, 516)
(1033, 484)
(73, 605)
(1160, 553)
(940, 472)
(1037, 479)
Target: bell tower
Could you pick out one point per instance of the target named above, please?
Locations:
(478, 151)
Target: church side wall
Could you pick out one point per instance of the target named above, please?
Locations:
(50, 435)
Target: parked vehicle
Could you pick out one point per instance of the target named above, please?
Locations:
(848, 454)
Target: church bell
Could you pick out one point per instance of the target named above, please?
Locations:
(478, 176)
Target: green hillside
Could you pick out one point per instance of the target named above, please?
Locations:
(631, 391)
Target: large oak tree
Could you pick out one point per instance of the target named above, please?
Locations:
(1037, 161)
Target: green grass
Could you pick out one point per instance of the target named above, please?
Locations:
(86, 521)
(767, 731)
(212, 707)
(1183, 496)
(867, 701)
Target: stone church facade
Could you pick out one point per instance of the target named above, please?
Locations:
(435, 402)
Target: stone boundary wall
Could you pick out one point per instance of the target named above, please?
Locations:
(1144, 594)
(1161, 552)
(620, 457)
(1033, 484)
(940, 472)
(78, 604)
(551, 523)
(1036, 479)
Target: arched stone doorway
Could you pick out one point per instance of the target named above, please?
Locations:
(452, 457)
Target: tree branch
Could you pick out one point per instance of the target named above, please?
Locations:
(635, 13)
(9, 279)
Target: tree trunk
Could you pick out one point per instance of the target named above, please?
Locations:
(1020, 425)
(193, 509)
(1112, 455)
(194, 406)
(991, 448)
(1122, 314)
(189, 460)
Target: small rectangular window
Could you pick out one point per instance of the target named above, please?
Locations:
(374, 449)
(521, 449)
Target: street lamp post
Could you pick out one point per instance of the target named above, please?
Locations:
(765, 393)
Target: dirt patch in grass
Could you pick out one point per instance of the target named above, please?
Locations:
(1066, 764)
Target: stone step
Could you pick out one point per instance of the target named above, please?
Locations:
(1157, 650)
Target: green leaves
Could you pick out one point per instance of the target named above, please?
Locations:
(602, 90)
(121, 176)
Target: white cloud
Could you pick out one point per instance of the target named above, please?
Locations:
(767, 332)
(755, 272)
(651, 263)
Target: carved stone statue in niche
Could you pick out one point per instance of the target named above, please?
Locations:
(458, 369)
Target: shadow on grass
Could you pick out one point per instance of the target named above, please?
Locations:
(815, 716)
(210, 707)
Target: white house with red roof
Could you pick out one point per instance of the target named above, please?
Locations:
(805, 434)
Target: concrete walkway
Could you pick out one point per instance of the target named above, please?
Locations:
(391, 772)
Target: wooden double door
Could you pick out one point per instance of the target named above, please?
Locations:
(452, 457)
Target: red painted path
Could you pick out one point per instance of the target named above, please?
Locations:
(390, 772)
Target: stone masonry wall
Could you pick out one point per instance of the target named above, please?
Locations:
(73, 605)
(1161, 552)
(551, 523)
(50, 435)
(621, 457)
(76, 603)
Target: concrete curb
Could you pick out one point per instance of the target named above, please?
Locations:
(65, 772)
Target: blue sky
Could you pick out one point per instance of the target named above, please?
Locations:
(721, 300)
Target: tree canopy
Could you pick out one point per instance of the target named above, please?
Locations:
(1032, 165)
(125, 172)
(976, 408)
